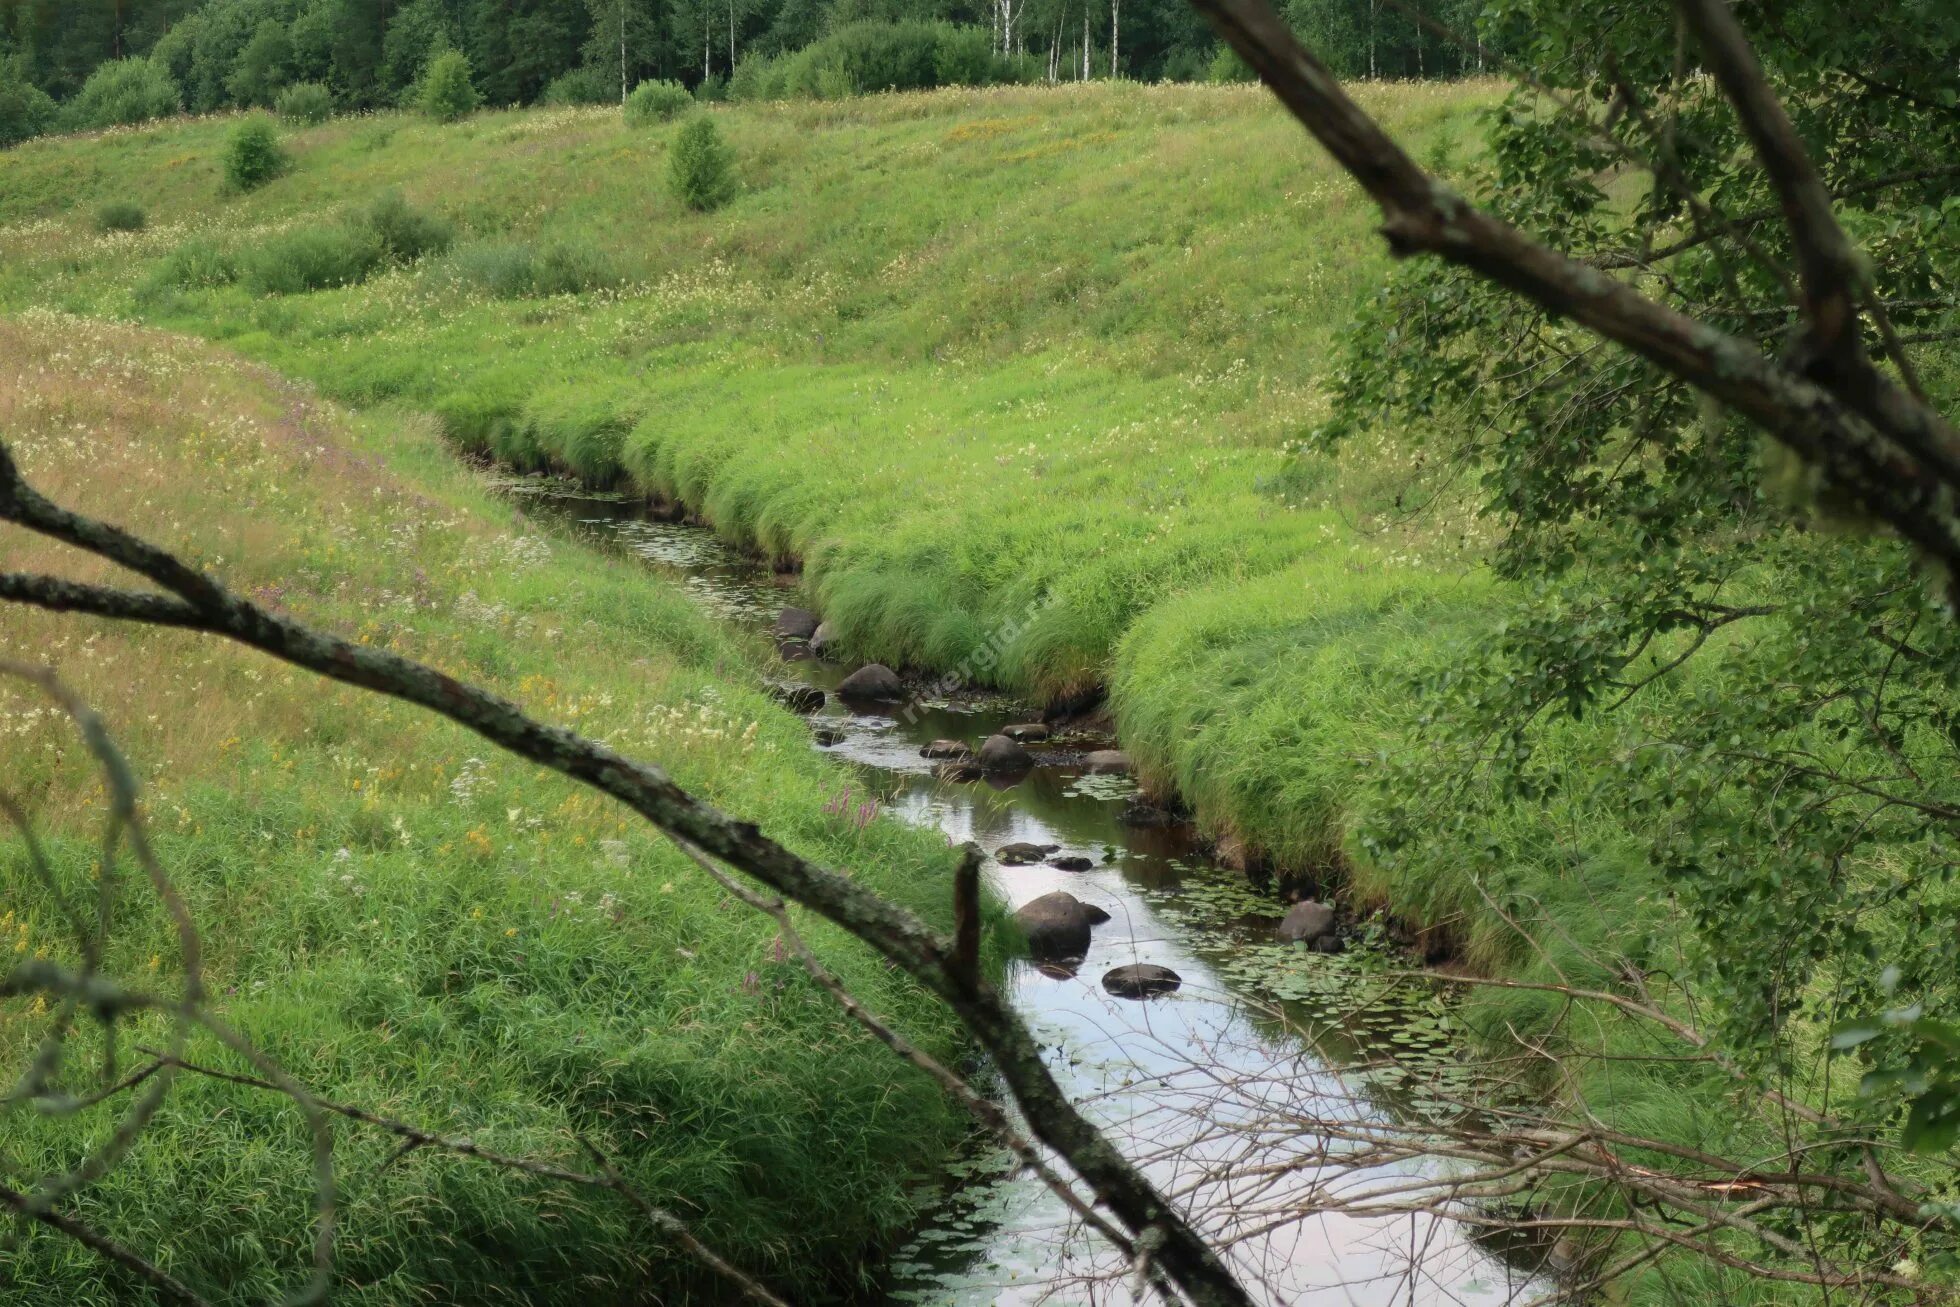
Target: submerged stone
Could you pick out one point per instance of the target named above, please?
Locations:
(1140, 980)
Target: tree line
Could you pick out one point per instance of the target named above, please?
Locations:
(221, 54)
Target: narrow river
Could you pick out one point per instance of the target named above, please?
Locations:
(1215, 1088)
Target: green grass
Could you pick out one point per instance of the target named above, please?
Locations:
(410, 921)
(1020, 376)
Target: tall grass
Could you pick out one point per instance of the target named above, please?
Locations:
(411, 922)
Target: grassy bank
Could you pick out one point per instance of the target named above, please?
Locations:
(411, 922)
(1020, 375)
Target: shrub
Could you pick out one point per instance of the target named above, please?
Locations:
(711, 90)
(585, 85)
(254, 156)
(866, 57)
(963, 56)
(656, 102)
(25, 109)
(313, 258)
(305, 104)
(195, 265)
(521, 271)
(447, 93)
(1226, 66)
(122, 92)
(400, 232)
(120, 215)
(701, 172)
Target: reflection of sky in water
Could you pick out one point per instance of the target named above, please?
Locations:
(1208, 1098)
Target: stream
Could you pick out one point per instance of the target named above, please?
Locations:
(1212, 1088)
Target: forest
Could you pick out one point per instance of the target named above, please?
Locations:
(219, 54)
(1197, 653)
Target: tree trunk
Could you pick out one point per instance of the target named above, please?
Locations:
(1115, 7)
(622, 53)
(731, 38)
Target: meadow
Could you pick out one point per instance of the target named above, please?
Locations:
(410, 921)
(1019, 378)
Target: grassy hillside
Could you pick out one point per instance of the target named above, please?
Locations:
(1020, 375)
(407, 919)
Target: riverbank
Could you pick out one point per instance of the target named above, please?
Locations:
(1018, 377)
(411, 922)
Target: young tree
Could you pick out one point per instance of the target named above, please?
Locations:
(447, 92)
(701, 172)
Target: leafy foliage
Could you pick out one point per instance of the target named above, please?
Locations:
(120, 215)
(865, 57)
(253, 155)
(120, 93)
(701, 172)
(400, 232)
(1773, 689)
(304, 104)
(657, 102)
(447, 93)
(25, 109)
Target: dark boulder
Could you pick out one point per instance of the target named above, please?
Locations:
(873, 683)
(1056, 926)
(1329, 944)
(1071, 862)
(796, 698)
(947, 749)
(796, 623)
(1141, 814)
(826, 736)
(1140, 980)
(1000, 754)
(1305, 922)
(1022, 854)
(1096, 915)
(957, 769)
(1108, 761)
(1026, 732)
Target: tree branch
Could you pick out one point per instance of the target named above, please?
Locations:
(1888, 451)
(923, 953)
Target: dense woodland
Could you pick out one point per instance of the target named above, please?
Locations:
(224, 53)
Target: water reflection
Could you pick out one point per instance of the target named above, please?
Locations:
(1224, 1101)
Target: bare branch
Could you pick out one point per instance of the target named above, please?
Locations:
(1889, 451)
(923, 953)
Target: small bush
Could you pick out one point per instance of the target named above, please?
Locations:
(447, 93)
(305, 104)
(195, 265)
(26, 110)
(711, 90)
(122, 92)
(523, 272)
(254, 156)
(120, 215)
(656, 102)
(313, 258)
(701, 172)
(401, 232)
(583, 86)
(1227, 67)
